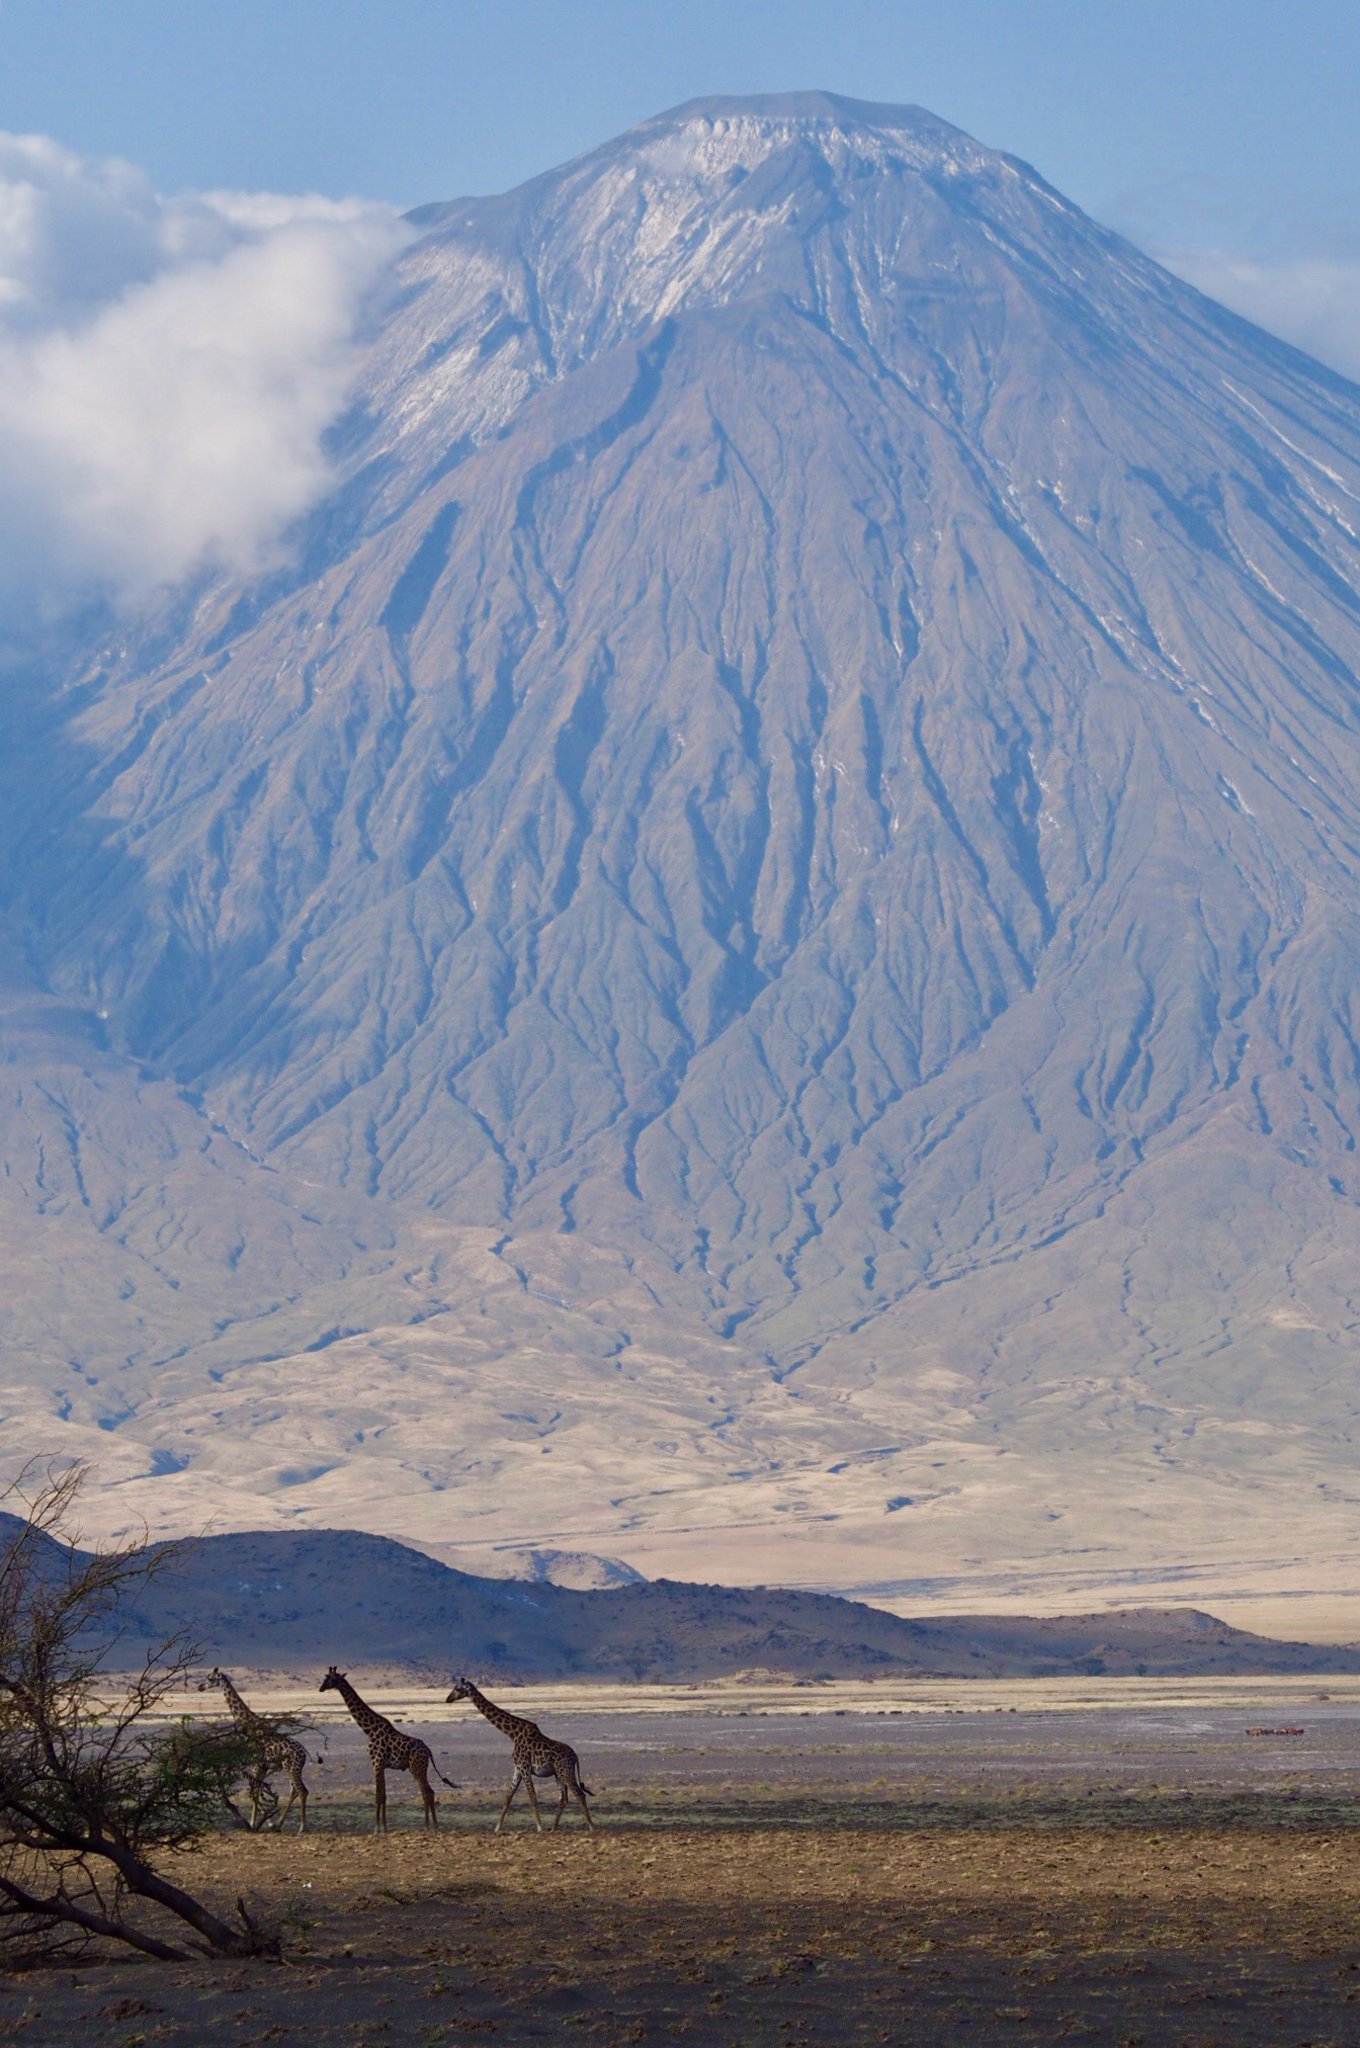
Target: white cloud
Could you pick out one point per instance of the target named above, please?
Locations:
(168, 368)
(1311, 301)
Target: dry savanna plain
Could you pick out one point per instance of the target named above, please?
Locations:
(1107, 1861)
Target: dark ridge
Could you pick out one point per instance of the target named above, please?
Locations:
(278, 1600)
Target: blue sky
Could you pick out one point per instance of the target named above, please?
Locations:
(1224, 124)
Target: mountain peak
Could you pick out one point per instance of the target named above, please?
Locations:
(788, 855)
(707, 146)
(718, 132)
(713, 138)
(786, 114)
(853, 214)
(831, 204)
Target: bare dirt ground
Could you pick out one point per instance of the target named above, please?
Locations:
(1137, 1871)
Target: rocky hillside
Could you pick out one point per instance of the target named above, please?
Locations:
(288, 1602)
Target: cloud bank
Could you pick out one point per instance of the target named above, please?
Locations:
(1311, 301)
(168, 368)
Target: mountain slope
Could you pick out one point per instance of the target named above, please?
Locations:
(795, 820)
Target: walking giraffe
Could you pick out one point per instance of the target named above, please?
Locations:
(533, 1754)
(389, 1750)
(276, 1753)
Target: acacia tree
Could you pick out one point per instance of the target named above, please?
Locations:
(93, 1785)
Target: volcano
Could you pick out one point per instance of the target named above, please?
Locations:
(747, 957)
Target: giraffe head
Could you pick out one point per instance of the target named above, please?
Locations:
(331, 1682)
(462, 1690)
(213, 1679)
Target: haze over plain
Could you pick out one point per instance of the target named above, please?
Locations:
(741, 955)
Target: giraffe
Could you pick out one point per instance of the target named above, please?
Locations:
(389, 1749)
(533, 1755)
(276, 1753)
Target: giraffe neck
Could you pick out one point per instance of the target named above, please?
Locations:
(236, 1706)
(509, 1724)
(368, 1718)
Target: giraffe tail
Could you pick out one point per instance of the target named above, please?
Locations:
(452, 1783)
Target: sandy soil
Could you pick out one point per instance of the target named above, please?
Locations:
(1130, 1873)
(1313, 1601)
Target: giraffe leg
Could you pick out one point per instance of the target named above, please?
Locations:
(533, 1800)
(514, 1787)
(561, 1804)
(579, 1790)
(421, 1776)
(379, 1800)
(297, 1790)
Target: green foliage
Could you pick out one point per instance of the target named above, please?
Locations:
(220, 1757)
(92, 1785)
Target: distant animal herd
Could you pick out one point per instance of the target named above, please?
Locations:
(532, 1753)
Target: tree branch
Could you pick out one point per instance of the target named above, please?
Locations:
(58, 1908)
